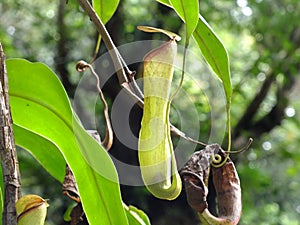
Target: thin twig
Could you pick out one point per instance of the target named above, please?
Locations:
(10, 165)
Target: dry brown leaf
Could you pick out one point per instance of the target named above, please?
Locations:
(225, 180)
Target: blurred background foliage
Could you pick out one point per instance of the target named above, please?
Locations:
(263, 41)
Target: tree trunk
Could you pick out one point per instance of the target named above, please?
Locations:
(10, 166)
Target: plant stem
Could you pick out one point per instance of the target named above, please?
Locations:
(107, 40)
(182, 71)
(125, 76)
(228, 127)
(10, 165)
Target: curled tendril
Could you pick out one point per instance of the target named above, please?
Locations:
(217, 158)
(246, 147)
(81, 66)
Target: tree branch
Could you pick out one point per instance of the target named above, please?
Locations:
(61, 57)
(10, 165)
(276, 115)
(246, 120)
(272, 119)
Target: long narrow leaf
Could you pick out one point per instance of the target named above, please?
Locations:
(40, 105)
(105, 9)
(213, 51)
(188, 11)
(215, 54)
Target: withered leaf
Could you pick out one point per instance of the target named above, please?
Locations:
(70, 187)
(195, 174)
(227, 185)
(77, 216)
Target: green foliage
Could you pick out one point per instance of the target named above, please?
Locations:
(188, 10)
(210, 45)
(40, 105)
(165, 2)
(215, 53)
(105, 9)
(136, 216)
(258, 44)
(43, 149)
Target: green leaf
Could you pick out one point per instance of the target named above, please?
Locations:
(136, 216)
(40, 105)
(212, 49)
(188, 11)
(215, 54)
(43, 149)
(105, 9)
(164, 2)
